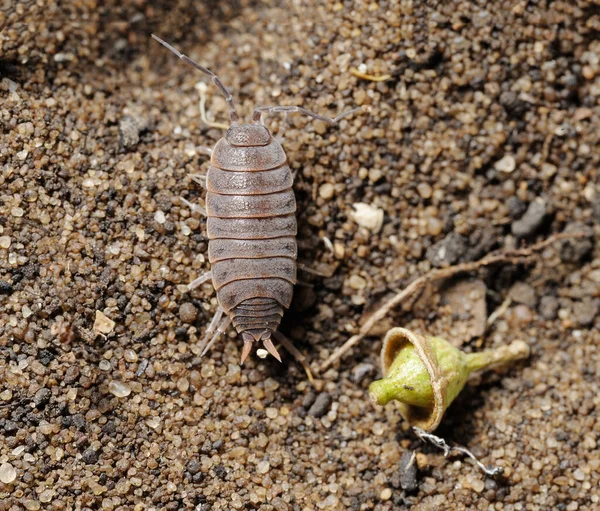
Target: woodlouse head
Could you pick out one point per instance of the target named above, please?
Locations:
(248, 135)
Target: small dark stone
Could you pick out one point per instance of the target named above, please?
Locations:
(321, 405)
(447, 251)
(42, 397)
(29, 271)
(531, 221)
(46, 356)
(548, 307)
(78, 421)
(10, 427)
(110, 428)
(220, 471)
(90, 456)
(218, 444)
(516, 207)
(5, 288)
(193, 466)
(308, 400)
(514, 106)
(408, 471)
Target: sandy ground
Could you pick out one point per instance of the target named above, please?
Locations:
(484, 135)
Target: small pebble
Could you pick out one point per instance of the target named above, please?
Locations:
(531, 221)
(368, 216)
(506, 164)
(129, 131)
(7, 473)
(425, 191)
(326, 191)
(159, 217)
(357, 282)
(263, 467)
(321, 405)
(119, 388)
(42, 397)
(386, 494)
(408, 471)
(188, 312)
(103, 324)
(522, 292)
(360, 371)
(447, 251)
(90, 457)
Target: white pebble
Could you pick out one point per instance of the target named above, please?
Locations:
(326, 191)
(260, 353)
(7, 473)
(263, 467)
(5, 241)
(368, 216)
(119, 388)
(357, 282)
(506, 164)
(18, 212)
(103, 324)
(153, 423)
(160, 217)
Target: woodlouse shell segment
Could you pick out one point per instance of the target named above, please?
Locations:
(247, 159)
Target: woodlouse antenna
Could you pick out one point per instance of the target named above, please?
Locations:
(228, 97)
(259, 110)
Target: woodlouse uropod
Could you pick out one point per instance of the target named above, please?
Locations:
(251, 226)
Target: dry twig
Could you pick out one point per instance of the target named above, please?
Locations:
(514, 256)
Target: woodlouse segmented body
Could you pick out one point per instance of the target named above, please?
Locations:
(251, 225)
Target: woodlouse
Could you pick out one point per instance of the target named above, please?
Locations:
(251, 226)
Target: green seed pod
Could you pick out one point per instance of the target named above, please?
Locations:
(424, 374)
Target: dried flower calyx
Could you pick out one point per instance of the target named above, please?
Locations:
(424, 374)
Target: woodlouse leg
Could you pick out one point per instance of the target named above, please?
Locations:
(199, 281)
(223, 326)
(194, 207)
(314, 271)
(204, 150)
(292, 350)
(212, 327)
(198, 178)
(259, 110)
